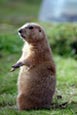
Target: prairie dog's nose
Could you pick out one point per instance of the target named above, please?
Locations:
(20, 31)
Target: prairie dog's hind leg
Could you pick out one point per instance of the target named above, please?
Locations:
(23, 102)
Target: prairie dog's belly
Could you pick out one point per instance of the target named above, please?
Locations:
(36, 82)
(23, 80)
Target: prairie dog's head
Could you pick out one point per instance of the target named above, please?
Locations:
(31, 32)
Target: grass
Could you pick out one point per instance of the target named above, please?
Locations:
(10, 51)
(19, 11)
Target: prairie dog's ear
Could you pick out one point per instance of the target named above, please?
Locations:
(39, 30)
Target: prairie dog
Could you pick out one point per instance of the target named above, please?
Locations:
(37, 76)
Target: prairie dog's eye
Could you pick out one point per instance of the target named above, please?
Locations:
(30, 27)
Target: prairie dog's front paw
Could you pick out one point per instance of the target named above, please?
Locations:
(17, 65)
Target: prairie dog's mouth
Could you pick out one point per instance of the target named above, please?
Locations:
(21, 35)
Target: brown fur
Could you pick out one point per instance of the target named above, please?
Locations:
(37, 77)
